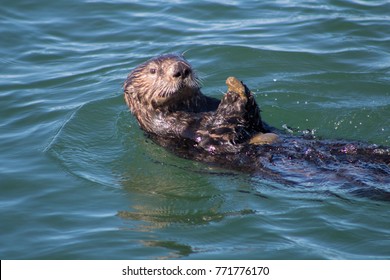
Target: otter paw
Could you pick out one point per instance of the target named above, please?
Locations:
(264, 138)
(235, 85)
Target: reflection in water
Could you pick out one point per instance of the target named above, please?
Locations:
(176, 198)
(179, 250)
(168, 195)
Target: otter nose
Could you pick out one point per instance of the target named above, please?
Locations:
(181, 70)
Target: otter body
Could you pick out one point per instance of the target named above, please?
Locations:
(164, 95)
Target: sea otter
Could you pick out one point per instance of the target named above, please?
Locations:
(164, 95)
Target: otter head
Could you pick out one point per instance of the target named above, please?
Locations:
(161, 84)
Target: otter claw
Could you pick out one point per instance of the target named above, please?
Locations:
(235, 85)
(264, 138)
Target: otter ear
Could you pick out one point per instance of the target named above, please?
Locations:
(130, 97)
(127, 86)
(128, 91)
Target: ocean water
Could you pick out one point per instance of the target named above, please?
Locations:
(79, 180)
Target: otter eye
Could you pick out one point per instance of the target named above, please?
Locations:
(153, 71)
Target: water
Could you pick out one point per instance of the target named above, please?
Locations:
(80, 181)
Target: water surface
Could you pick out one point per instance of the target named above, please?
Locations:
(79, 180)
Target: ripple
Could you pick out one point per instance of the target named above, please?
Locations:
(83, 141)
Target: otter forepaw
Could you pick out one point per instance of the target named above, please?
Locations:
(236, 86)
(264, 138)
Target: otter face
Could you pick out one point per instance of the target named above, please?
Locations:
(161, 81)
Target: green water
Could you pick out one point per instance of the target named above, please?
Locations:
(79, 180)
